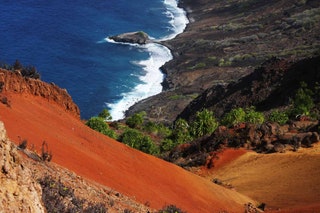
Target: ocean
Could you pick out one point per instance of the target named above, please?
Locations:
(68, 43)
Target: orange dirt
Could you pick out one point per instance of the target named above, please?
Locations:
(108, 162)
(286, 182)
(227, 156)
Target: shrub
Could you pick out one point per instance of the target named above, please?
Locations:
(171, 209)
(302, 102)
(105, 114)
(138, 140)
(136, 120)
(181, 133)
(235, 116)
(98, 124)
(167, 145)
(30, 72)
(279, 117)
(57, 197)
(254, 117)
(17, 65)
(204, 123)
(157, 129)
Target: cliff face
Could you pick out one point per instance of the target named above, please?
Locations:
(14, 82)
(18, 189)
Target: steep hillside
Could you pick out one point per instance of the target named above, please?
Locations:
(270, 86)
(226, 40)
(95, 157)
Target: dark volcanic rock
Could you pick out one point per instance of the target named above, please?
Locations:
(269, 86)
(131, 37)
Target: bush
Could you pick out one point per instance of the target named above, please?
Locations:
(157, 129)
(302, 102)
(253, 117)
(181, 133)
(167, 145)
(204, 123)
(235, 116)
(105, 114)
(98, 124)
(278, 117)
(136, 120)
(57, 197)
(171, 209)
(138, 140)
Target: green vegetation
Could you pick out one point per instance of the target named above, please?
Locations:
(136, 120)
(234, 117)
(239, 115)
(99, 124)
(136, 139)
(25, 71)
(157, 129)
(204, 123)
(303, 101)
(278, 117)
(224, 63)
(105, 114)
(158, 138)
(254, 117)
(181, 133)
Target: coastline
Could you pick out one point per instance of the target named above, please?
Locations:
(159, 54)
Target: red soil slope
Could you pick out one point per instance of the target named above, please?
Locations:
(108, 162)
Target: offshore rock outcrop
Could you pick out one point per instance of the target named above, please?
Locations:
(18, 189)
(132, 38)
(14, 82)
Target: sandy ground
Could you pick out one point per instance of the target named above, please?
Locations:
(285, 182)
(91, 155)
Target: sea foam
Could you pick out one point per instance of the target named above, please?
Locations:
(158, 56)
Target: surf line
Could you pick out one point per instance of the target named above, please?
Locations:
(158, 56)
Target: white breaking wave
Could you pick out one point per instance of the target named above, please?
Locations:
(151, 82)
(178, 18)
(158, 56)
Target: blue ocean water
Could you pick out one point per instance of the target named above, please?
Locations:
(67, 42)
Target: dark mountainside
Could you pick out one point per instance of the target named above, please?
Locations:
(270, 86)
(228, 40)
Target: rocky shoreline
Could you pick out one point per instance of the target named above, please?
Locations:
(225, 42)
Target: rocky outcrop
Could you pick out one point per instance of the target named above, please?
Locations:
(14, 82)
(265, 138)
(19, 191)
(132, 38)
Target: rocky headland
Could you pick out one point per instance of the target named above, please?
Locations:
(226, 41)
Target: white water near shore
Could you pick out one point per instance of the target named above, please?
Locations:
(158, 56)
